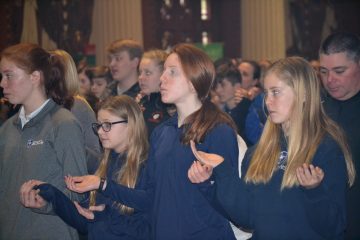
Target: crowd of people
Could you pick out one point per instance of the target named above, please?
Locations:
(171, 145)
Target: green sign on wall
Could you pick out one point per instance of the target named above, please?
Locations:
(214, 50)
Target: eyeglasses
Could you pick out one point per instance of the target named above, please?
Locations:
(106, 126)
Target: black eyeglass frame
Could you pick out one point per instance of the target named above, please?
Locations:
(96, 126)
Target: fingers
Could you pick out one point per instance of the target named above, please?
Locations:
(29, 197)
(72, 181)
(309, 176)
(98, 208)
(83, 183)
(198, 173)
(84, 212)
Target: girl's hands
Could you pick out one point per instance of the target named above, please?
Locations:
(82, 184)
(89, 213)
(201, 170)
(30, 197)
(309, 176)
(198, 172)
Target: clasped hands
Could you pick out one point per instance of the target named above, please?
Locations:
(30, 198)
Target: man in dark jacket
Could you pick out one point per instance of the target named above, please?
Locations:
(340, 75)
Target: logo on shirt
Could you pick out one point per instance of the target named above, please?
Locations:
(31, 143)
(282, 160)
(156, 117)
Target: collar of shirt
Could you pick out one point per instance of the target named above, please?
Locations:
(26, 118)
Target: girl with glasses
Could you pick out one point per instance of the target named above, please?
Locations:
(122, 132)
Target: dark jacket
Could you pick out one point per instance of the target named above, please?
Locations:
(347, 115)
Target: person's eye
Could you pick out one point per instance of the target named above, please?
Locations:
(172, 72)
(147, 73)
(106, 126)
(339, 71)
(275, 92)
(8, 76)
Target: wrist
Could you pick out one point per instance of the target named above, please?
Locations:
(102, 185)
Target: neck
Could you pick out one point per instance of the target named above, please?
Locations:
(231, 103)
(186, 109)
(34, 102)
(285, 128)
(126, 83)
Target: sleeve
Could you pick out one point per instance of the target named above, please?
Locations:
(325, 205)
(135, 225)
(63, 207)
(68, 145)
(222, 141)
(139, 198)
(70, 150)
(237, 203)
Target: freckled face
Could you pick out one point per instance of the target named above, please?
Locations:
(174, 86)
(16, 83)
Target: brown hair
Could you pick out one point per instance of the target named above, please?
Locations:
(134, 48)
(199, 69)
(31, 57)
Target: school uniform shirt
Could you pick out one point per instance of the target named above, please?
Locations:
(131, 92)
(181, 210)
(154, 111)
(291, 213)
(48, 147)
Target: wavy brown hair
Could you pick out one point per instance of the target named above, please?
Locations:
(200, 71)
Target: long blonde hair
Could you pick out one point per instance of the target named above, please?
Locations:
(137, 148)
(308, 125)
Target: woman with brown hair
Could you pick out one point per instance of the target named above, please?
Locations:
(180, 209)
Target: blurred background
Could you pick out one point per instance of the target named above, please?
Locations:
(249, 29)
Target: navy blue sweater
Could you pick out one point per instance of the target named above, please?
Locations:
(180, 209)
(294, 213)
(108, 224)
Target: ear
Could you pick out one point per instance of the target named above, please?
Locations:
(135, 62)
(192, 88)
(36, 77)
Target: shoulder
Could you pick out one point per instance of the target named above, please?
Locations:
(82, 110)
(222, 129)
(63, 120)
(163, 128)
(328, 151)
(8, 125)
